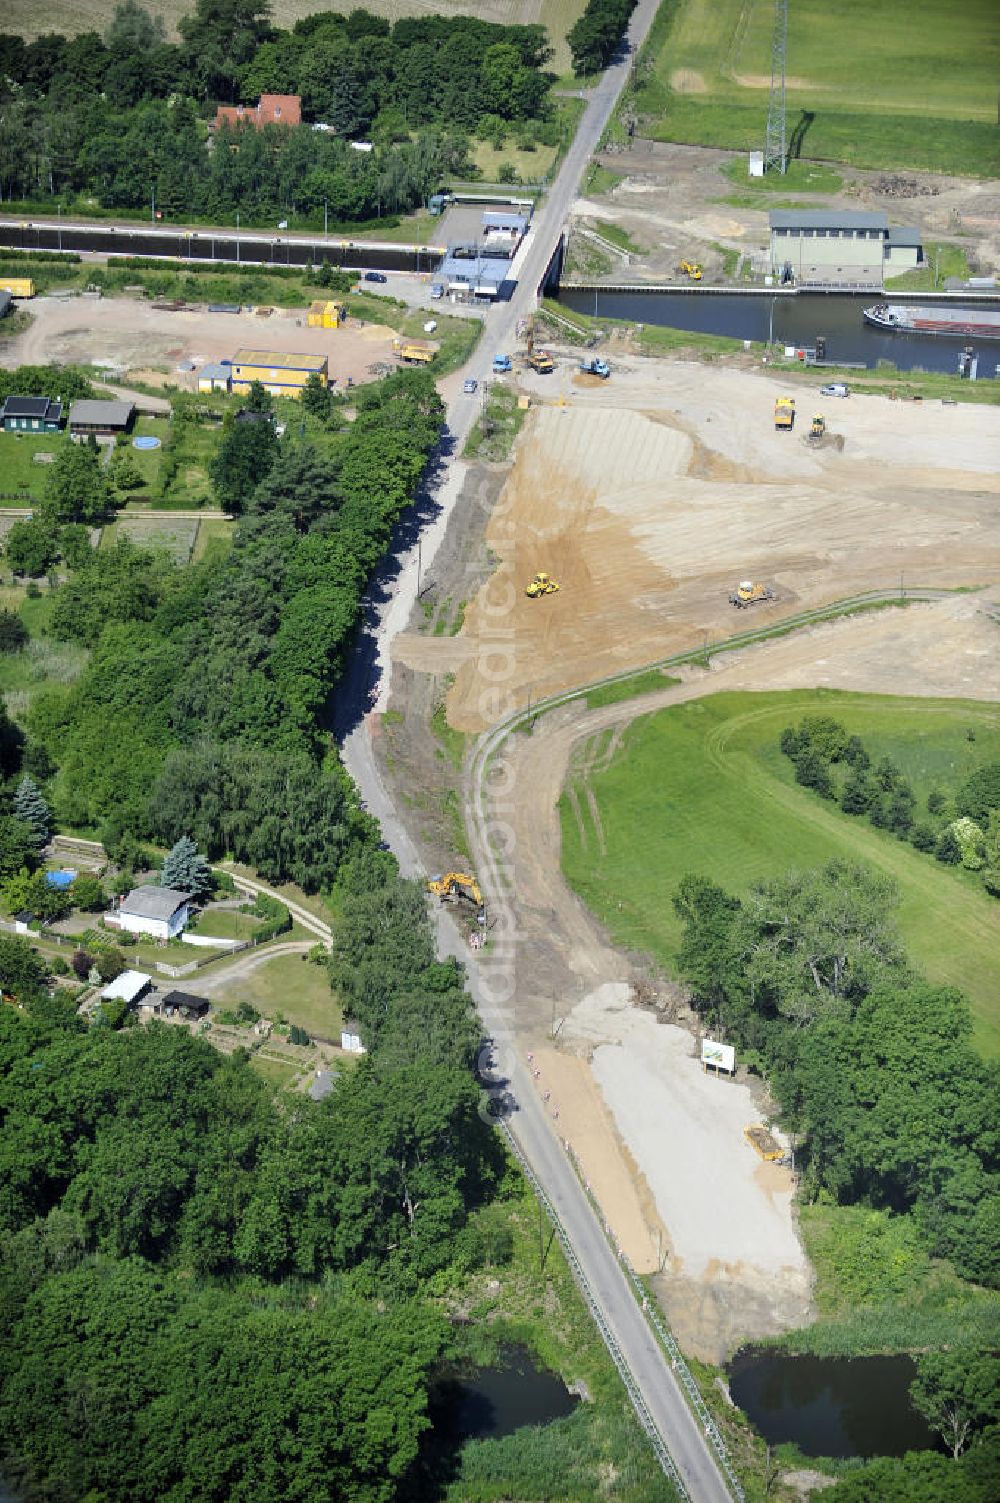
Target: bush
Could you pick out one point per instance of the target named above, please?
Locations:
(856, 795)
(825, 735)
(88, 893)
(13, 632)
(971, 843)
(58, 966)
(81, 962)
(935, 801)
(923, 837)
(812, 772)
(856, 756)
(790, 742)
(948, 849)
(980, 793)
(888, 774)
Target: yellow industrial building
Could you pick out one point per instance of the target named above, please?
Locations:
(326, 315)
(280, 373)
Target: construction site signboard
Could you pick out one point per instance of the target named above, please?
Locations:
(718, 1056)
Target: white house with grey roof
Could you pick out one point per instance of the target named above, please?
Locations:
(160, 912)
(830, 247)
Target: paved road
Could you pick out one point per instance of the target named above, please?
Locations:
(493, 984)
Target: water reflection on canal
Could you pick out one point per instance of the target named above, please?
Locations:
(790, 320)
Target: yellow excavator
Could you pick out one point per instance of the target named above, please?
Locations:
(542, 584)
(691, 270)
(455, 885)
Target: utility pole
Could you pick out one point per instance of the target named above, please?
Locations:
(152, 207)
(326, 218)
(237, 237)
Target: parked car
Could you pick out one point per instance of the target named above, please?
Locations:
(375, 276)
(437, 290)
(835, 389)
(469, 385)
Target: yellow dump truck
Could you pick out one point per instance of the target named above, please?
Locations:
(784, 412)
(542, 362)
(18, 286)
(414, 351)
(765, 1143)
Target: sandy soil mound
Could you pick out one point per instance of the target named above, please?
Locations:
(649, 497)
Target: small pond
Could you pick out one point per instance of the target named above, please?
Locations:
(493, 1401)
(830, 1406)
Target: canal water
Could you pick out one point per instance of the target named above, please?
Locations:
(791, 320)
(831, 1406)
(495, 1401)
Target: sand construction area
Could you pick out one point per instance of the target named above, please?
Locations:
(649, 496)
(130, 336)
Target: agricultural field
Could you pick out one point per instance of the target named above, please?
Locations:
(892, 85)
(704, 788)
(73, 16)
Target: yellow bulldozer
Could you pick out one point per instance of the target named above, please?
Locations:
(541, 585)
(749, 592)
(818, 427)
(455, 885)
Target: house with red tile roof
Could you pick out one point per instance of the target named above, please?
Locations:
(271, 109)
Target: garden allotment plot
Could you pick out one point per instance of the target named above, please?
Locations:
(704, 788)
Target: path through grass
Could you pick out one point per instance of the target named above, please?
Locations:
(704, 788)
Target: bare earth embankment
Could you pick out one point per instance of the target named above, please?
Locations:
(648, 497)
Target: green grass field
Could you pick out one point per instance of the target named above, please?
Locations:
(19, 474)
(704, 788)
(294, 987)
(888, 85)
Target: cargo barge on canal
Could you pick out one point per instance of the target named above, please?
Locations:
(912, 318)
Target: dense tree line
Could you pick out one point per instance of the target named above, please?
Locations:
(874, 1068)
(215, 676)
(153, 1200)
(962, 828)
(595, 37)
(124, 117)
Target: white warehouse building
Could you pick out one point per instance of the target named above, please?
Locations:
(831, 247)
(161, 912)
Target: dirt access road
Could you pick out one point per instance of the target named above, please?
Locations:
(660, 1143)
(649, 496)
(125, 334)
